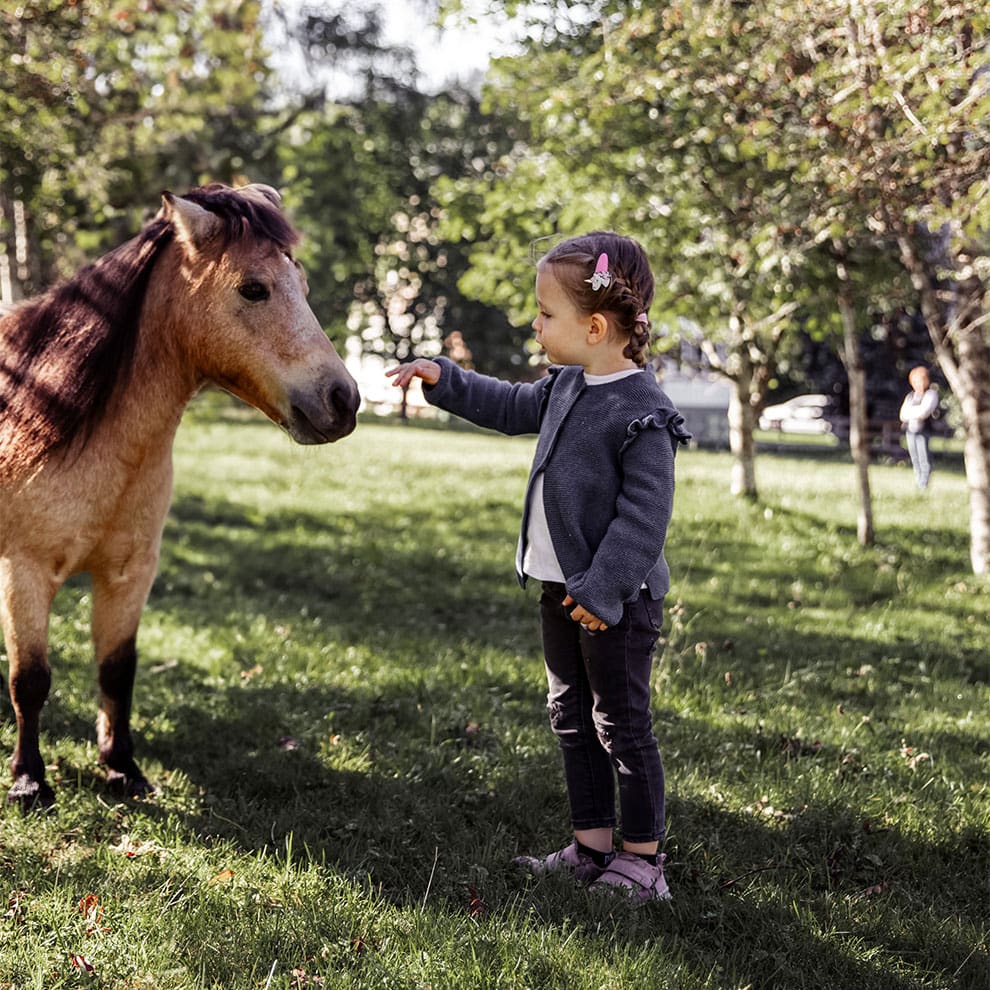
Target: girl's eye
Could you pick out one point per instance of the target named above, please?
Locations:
(254, 291)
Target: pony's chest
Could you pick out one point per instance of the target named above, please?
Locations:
(65, 519)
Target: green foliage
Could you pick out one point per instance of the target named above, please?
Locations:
(908, 142)
(723, 135)
(689, 156)
(341, 699)
(107, 100)
(360, 182)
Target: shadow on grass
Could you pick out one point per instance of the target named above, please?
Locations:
(812, 893)
(361, 577)
(809, 893)
(412, 800)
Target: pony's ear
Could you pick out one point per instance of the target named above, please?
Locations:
(193, 225)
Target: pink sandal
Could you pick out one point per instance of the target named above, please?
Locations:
(568, 860)
(632, 875)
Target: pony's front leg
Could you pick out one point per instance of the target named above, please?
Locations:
(25, 601)
(117, 603)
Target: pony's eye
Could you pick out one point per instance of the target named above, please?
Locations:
(254, 291)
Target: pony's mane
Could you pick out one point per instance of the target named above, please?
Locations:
(65, 355)
(244, 214)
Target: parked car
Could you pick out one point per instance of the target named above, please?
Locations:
(802, 414)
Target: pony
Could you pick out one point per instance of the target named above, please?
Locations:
(94, 377)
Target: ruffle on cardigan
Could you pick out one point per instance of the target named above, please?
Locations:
(552, 373)
(669, 419)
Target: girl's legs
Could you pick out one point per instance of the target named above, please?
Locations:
(599, 704)
(599, 839)
(587, 768)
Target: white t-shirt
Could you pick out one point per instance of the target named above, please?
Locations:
(916, 410)
(540, 561)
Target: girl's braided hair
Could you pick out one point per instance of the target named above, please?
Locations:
(625, 300)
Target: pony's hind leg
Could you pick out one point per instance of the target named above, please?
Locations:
(117, 605)
(24, 608)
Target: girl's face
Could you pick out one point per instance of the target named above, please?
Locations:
(561, 329)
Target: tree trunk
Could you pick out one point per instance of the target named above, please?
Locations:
(747, 359)
(957, 325)
(9, 289)
(859, 437)
(973, 362)
(742, 421)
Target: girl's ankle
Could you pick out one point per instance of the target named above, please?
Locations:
(598, 857)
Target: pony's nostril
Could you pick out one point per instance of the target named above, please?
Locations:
(344, 399)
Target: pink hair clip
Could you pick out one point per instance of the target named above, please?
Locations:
(602, 278)
(642, 318)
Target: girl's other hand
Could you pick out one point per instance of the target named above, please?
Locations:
(403, 374)
(587, 619)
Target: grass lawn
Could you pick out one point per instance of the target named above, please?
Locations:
(341, 701)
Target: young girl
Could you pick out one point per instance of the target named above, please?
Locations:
(594, 522)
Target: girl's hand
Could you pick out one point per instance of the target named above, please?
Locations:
(403, 374)
(580, 614)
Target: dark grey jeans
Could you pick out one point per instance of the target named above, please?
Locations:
(599, 706)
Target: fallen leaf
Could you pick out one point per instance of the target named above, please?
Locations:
(81, 962)
(920, 758)
(224, 876)
(131, 848)
(476, 906)
(15, 905)
(91, 908)
(301, 979)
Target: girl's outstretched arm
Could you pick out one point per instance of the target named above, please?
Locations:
(429, 371)
(490, 402)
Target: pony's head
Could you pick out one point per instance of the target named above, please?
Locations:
(207, 291)
(246, 324)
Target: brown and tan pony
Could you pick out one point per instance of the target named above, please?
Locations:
(94, 377)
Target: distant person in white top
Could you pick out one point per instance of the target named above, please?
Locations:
(917, 409)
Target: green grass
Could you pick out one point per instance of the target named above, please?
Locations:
(341, 701)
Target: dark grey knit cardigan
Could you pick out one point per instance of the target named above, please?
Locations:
(607, 457)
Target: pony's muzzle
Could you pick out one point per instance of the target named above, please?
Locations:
(325, 414)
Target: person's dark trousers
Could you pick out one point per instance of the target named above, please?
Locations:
(599, 706)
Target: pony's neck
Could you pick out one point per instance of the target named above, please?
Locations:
(163, 379)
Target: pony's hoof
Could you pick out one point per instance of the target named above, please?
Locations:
(30, 794)
(129, 785)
